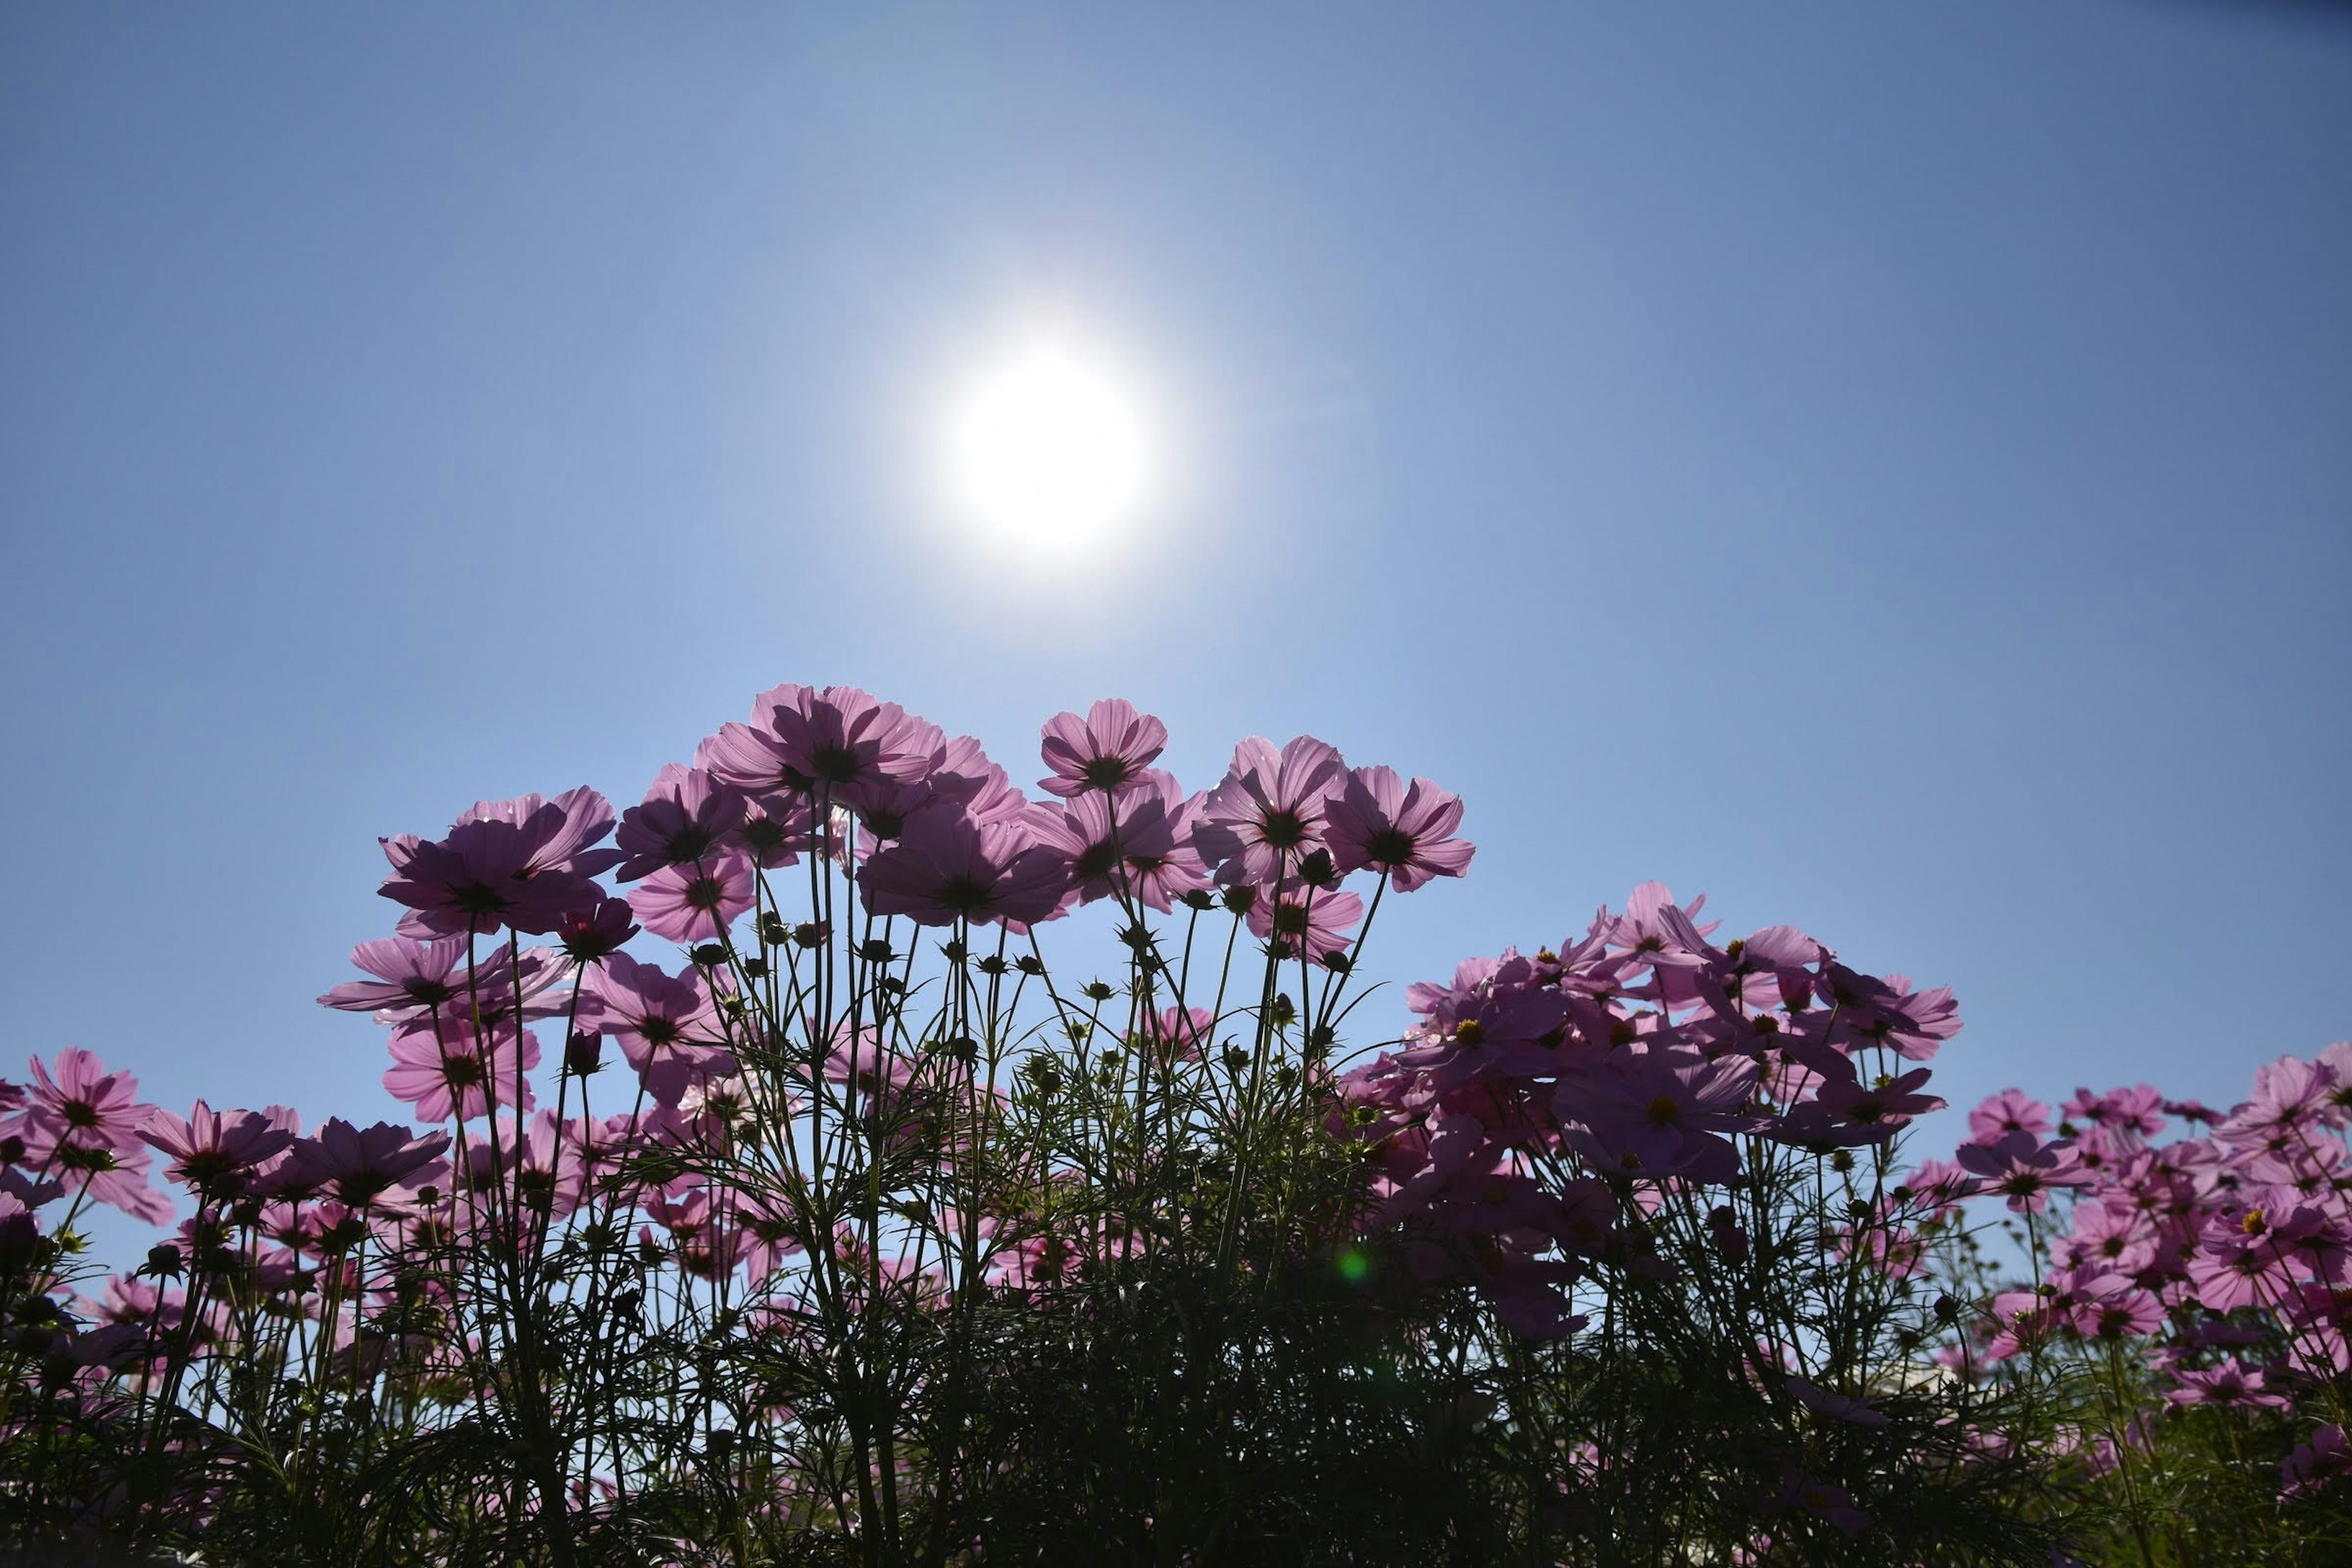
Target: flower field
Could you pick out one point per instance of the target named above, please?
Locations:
(759, 1187)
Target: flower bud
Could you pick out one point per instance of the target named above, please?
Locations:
(584, 1054)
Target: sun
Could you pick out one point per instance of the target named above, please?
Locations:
(1050, 448)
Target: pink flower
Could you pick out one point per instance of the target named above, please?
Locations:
(469, 1073)
(486, 875)
(2232, 1385)
(945, 867)
(1658, 1114)
(1106, 751)
(1405, 831)
(683, 817)
(2314, 1463)
(667, 1026)
(212, 1151)
(1096, 836)
(411, 978)
(697, 902)
(2022, 1170)
(844, 742)
(1270, 811)
(1305, 920)
(358, 1166)
(2011, 1111)
(77, 1104)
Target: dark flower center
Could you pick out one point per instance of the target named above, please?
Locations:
(1665, 1110)
(704, 893)
(836, 765)
(1097, 860)
(1390, 847)
(1282, 829)
(1103, 772)
(961, 894)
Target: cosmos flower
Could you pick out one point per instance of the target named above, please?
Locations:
(683, 817)
(360, 1166)
(1106, 751)
(212, 1151)
(1378, 821)
(945, 867)
(695, 902)
(1271, 810)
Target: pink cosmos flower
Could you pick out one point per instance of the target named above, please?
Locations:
(1306, 919)
(2314, 1463)
(359, 1166)
(1105, 751)
(1406, 831)
(1659, 1114)
(212, 1151)
(2011, 1111)
(487, 875)
(695, 902)
(847, 744)
(683, 817)
(1158, 872)
(587, 817)
(410, 976)
(76, 1103)
(2022, 1168)
(2232, 1385)
(775, 830)
(1179, 1033)
(946, 867)
(590, 931)
(1096, 837)
(1271, 810)
(1880, 1106)
(2289, 1094)
(668, 1026)
(468, 1074)
(2128, 1115)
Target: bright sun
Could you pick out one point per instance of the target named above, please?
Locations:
(1050, 449)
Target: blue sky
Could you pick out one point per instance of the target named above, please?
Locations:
(1887, 466)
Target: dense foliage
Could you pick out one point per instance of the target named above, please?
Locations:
(860, 1232)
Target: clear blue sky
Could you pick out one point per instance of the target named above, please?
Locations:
(1889, 466)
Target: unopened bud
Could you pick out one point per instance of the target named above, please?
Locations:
(584, 1054)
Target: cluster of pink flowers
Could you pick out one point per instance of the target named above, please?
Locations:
(2222, 1259)
(782, 1041)
(1544, 1098)
(79, 1135)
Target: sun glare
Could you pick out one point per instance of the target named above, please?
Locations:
(1049, 449)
